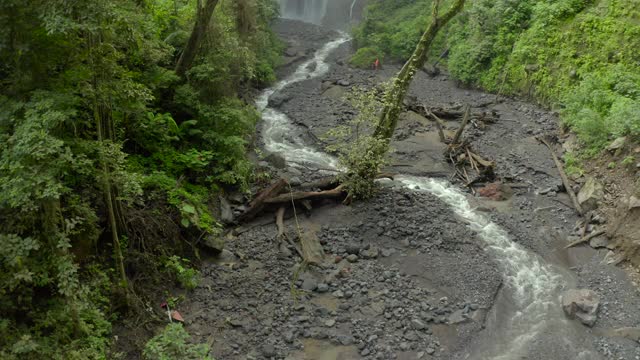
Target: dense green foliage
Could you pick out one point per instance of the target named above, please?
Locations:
(172, 344)
(579, 55)
(95, 125)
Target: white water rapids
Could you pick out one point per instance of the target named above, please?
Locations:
(532, 284)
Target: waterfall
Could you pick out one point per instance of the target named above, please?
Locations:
(312, 11)
(353, 4)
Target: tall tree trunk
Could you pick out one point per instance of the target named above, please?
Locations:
(105, 130)
(395, 96)
(203, 17)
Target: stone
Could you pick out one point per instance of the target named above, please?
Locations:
(634, 203)
(214, 243)
(353, 248)
(581, 304)
(295, 181)
(294, 171)
(496, 192)
(617, 144)
(276, 160)
(371, 253)
(345, 340)
(599, 242)
(458, 317)
(591, 194)
(330, 323)
(268, 350)
(309, 284)
(418, 324)
(322, 288)
(278, 99)
(387, 252)
(352, 258)
(289, 336)
(431, 350)
(344, 83)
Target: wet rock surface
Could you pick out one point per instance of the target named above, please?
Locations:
(403, 277)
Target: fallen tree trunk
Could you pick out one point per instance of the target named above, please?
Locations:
(465, 121)
(336, 193)
(565, 179)
(257, 204)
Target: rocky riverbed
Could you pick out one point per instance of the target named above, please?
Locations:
(405, 277)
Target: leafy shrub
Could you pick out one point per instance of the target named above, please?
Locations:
(365, 57)
(171, 344)
(185, 275)
(360, 153)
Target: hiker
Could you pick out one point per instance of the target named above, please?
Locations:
(376, 64)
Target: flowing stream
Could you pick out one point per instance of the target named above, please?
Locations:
(532, 285)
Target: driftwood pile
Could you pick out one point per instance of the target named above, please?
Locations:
(470, 167)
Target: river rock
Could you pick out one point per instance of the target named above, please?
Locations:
(581, 304)
(276, 160)
(599, 242)
(309, 284)
(352, 248)
(268, 350)
(591, 194)
(496, 191)
(617, 144)
(278, 99)
(371, 253)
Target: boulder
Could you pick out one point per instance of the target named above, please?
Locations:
(276, 160)
(581, 304)
(634, 203)
(276, 100)
(215, 243)
(496, 192)
(617, 144)
(591, 194)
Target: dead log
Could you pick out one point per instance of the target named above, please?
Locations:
(585, 239)
(281, 235)
(336, 193)
(326, 183)
(563, 175)
(257, 204)
(312, 251)
(465, 121)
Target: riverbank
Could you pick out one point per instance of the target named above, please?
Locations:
(405, 277)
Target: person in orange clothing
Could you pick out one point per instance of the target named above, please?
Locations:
(376, 64)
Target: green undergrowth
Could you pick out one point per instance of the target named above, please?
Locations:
(106, 150)
(579, 56)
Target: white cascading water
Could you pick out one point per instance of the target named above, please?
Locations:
(311, 11)
(533, 284)
(353, 4)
